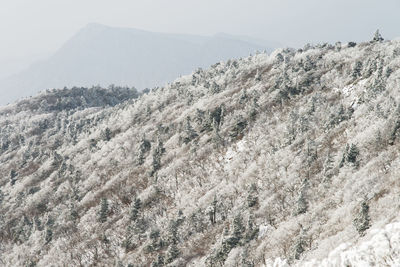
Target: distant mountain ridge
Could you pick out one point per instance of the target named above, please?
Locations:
(102, 55)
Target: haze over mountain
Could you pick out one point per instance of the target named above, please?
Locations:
(102, 55)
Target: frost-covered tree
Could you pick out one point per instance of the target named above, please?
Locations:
(362, 220)
(246, 261)
(252, 196)
(251, 229)
(377, 37)
(215, 88)
(358, 66)
(302, 202)
(352, 154)
(1, 197)
(351, 44)
(137, 205)
(13, 177)
(279, 58)
(394, 132)
(144, 147)
(212, 211)
(189, 133)
(73, 213)
(228, 242)
(173, 238)
(328, 166)
(344, 156)
(299, 246)
(243, 97)
(157, 154)
(106, 134)
(48, 236)
(238, 230)
(172, 253)
(379, 143)
(257, 77)
(240, 124)
(156, 241)
(103, 213)
(159, 262)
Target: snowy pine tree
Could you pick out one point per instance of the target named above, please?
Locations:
(137, 204)
(352, 154)
(362, 221)
(302, 203)
(377, 37)
(103, 213)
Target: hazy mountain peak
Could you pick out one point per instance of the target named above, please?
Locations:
(104, 55)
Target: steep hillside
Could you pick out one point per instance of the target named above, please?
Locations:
(102, 55)
(291, 158)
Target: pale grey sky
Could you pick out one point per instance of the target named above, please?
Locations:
(32, 29)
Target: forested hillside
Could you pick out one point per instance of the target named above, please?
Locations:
(288, 158)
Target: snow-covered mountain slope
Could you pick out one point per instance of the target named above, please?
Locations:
(381, 249)
(288, 155)
(102, 55)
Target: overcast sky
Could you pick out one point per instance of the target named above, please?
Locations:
(33, 29)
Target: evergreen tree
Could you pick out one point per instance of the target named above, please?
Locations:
(199, 118)
(351, 44)
(328, 166)
(154, 234)
(38, 223)
(144, 147)
(128, 243)
(159, 262)
(73, 213)
(257, 76)
(212, 211)
(302, 203)
(362, 221)
(103, 214)
(279, 58)
(238, 228)
(245, 261)
(49, 235)
(13, 175)
(216, 137)
(352, 154)
(214, 119)
(106, 134)
(189, 132)
(173, 232)
(251, 229)
(357, 69)
(135, 209)
(299, 247)
(252, 197)
(215, 88)
(377, 37)
(394, 132)
(172, 253)
(157, 153)
(243, 97)
(1, 197)
(156, 242)
(238, 127)
(344, 156)
(378, 140)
